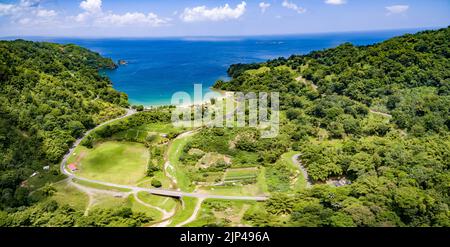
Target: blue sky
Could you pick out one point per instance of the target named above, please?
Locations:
(153, 18)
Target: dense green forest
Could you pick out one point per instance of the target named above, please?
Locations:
(378, 116)
(49, 95)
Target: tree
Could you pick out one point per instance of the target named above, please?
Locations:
(156, 183)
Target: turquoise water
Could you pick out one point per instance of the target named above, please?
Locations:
(157, 68)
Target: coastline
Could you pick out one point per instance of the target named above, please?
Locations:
(204, 102)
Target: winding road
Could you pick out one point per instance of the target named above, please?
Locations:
(135, 189)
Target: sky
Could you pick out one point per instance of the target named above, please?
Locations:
(162, 18)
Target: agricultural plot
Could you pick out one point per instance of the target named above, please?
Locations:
(241, 175)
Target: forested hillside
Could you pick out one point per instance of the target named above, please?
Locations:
(377, 116)
(49, 95)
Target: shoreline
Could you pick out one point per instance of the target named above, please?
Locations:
(205, 101)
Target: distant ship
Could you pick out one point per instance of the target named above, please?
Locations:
(122, 62)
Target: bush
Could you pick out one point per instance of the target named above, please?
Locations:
(156, 183)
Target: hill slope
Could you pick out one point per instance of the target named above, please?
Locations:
(377, 116)
(49, 95)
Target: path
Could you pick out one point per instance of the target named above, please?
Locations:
(297, 161)
(381, 113)
(194, 214)
(167, 164)
(166, 215)
(306, 82)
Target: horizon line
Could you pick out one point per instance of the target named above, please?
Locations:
(417, 29)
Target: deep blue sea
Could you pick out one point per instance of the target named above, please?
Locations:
(159, 67)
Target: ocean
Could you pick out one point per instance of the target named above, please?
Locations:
(158, 67)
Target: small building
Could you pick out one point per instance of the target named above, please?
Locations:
(73, 167)
(46, 167)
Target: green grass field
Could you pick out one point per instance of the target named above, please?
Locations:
(221, 213)
(116, 162)
(166, 203)
(140, 133)
(184, 212)
(100, 186)
(146, 182)
(138, 207)
(300, 182)
(69, 195)
(241, 175)
(174, 153)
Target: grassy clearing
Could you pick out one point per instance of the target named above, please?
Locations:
(221, 213)
(115, 162)
(174, 153)
(138, 207)
(299, 182)
(69, 195)
(241, 175)
(185, 211)
(146, 182)
(233, 190)
(100, 186)
(141, 132)
(163, 202)
(284, 175)
(108, 201)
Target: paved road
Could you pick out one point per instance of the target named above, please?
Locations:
(161, 192)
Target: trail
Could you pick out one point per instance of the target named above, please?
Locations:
(306, 82)
(165, 214)
(297, 161)
(381, 113)
(194, 214)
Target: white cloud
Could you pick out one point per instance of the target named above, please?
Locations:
(397, 9)
(336, 2)
(150, 19)
(263, 6)
(92, 6)
(27, 12)
(94, 14)
(202, 13)
(45, 13)
(293, 6)
(6, 9)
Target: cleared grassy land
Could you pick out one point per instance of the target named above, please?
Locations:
(140, 133)
(109, 201)
(146, 182)
(185, 211)
(100, 186)
(241, 175)
(299, 182)
(69, 195)
(233, 190)
(221, 213)
(138, 207)
(115, 162)
(174, 153)
(165, 203)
